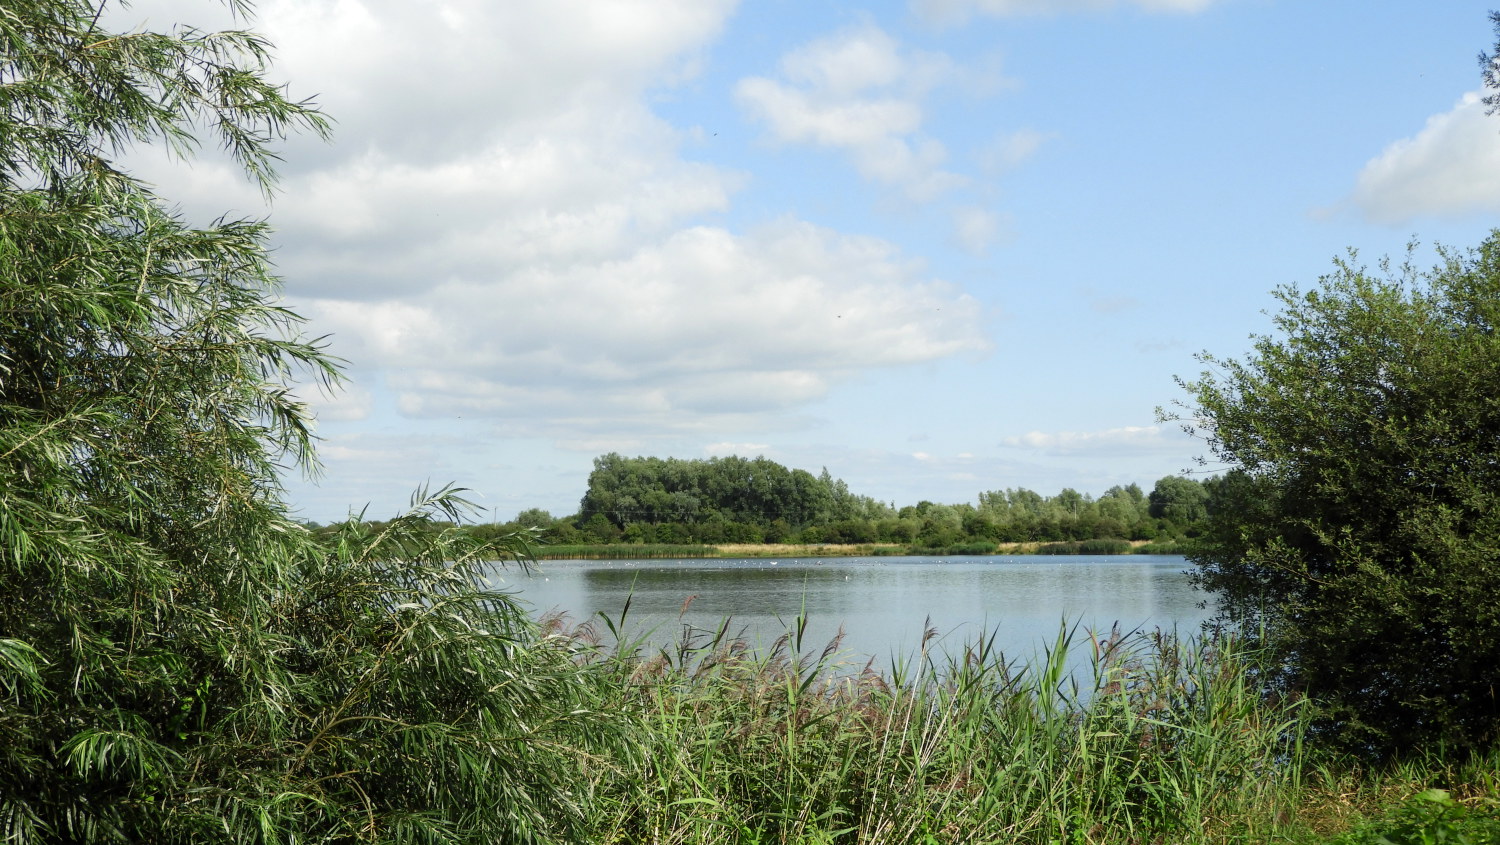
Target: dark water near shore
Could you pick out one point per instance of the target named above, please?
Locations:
(880, 603)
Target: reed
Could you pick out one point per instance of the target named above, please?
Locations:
(1154, 739)
(624, 551)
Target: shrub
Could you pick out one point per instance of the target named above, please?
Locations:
(1358, 532)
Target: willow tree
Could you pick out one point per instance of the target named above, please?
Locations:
(179, 661)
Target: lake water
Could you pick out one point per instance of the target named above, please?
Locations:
(881, 603)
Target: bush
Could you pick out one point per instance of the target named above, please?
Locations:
(1359, 531)
(1430, 818)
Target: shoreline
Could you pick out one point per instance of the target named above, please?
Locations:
(721, 551)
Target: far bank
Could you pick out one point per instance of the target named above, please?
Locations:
(657, 551)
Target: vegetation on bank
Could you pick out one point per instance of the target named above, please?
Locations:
(1155, 740)
(641, 508)
(181, 662)
(654, 507)
(659, 551)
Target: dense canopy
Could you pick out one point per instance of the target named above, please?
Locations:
(1359, 526)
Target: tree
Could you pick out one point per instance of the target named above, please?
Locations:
(534, 518)
(1179, 500)
(1489, 66)
(1358, 532)
(180, 661)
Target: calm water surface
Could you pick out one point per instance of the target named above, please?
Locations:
(881, 603)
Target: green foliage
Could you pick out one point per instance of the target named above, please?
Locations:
(1152, 740)
(734, 490)
(179, 660)
(1178, 499)
(1087, 547)
(734, 500)
(1431, 817)
(635, 551)
(534, 518)
(1359, 528)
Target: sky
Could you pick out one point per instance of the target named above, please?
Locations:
(938, 247)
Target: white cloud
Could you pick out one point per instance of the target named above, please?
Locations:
(795, 115)
(1450, 168)
(504, 228)
(741, 449)
(350, 401)
(1009, 150)
(336, 452)
(976, 229)
(699, 324)
(957, 11)
(859, 92)
(1114, 441)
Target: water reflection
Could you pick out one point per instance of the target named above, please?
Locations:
(881, 603)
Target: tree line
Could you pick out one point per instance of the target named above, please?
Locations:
(757, 500)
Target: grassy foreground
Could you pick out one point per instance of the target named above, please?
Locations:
(1161, 741)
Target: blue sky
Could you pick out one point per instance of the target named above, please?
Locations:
(937, 246)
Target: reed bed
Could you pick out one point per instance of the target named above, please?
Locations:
(1157, 739)
(624, 551)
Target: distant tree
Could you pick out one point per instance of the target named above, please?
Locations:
(600, 529)
(534, 518)
(778, 531)
(980, 525)
(1070, 501)
(730, 489)
(673, 532)
(1179, 500)
(1127, 506)
(1358, 530)
(898, 529)
(851, 531)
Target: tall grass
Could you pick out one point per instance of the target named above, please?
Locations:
(1156, 740)
(624, 551)
(1109, 546)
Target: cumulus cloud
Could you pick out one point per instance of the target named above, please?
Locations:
(1009, 150)
(702, 323)
(957, 11)
(741, 449)
(859, 92)
(504, 229)
(976, 229)
(1450, 168)
(1114, 441)
(347, 402)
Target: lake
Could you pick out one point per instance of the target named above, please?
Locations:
(881, 603)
